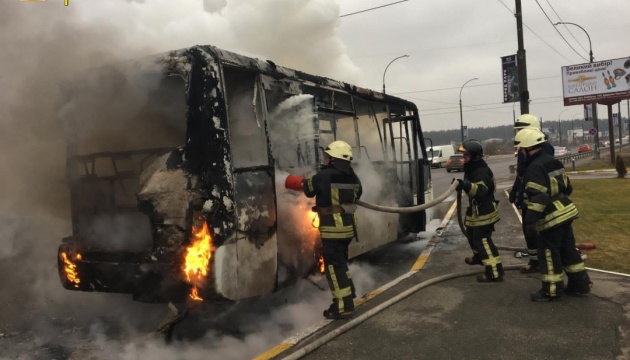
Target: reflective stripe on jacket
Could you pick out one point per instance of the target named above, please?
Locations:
(547, 187)
(334, 186)
(482, 207)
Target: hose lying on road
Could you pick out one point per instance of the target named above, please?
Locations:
(368, 314)
(411, 209)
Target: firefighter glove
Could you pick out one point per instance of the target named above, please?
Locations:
(294, 182)
(463, 185)
(512, 197)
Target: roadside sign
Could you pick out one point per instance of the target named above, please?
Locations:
(592, 131)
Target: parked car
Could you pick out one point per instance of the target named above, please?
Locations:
(455, 163)
(584, 148)
(561, 151)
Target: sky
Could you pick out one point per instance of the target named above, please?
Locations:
(450, 42)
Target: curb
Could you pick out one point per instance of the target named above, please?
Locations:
(591, 171)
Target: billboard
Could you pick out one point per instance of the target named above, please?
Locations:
(510, 79)
(603, 81)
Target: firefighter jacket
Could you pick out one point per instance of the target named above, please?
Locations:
(547, 188)
(482, 207)
(336, 189)
(516, 193)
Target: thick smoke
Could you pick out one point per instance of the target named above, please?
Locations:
(45, 44)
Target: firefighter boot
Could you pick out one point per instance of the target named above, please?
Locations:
(484, 278)
(543, 296)
(548, 292)
(578, 284)
(333, 313)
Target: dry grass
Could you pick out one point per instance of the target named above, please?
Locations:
(604, 160)
(604, 206)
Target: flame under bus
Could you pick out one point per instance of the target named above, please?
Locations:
(166, 147)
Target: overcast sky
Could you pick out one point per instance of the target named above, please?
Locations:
(449, 42)
(452, 41)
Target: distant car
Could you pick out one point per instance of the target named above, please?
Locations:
(455, 163)
(561, 151)
(584, 148)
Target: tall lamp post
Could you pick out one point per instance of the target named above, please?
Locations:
(560, 127)
(590, 54)
(384, 72)
(461, 113)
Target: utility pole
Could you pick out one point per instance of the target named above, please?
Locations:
(619, 121)
(521, 62)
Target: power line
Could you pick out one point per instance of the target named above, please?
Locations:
(558, 31)
(374, 8)
(533, 32)
(565, 26)
(456, 88)
(547, 100)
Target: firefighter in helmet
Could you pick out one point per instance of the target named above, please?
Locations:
(482, 212)
(336, 189)
(549, 216)
(526, 121)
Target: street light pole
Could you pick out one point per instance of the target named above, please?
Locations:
(384, 72)
(461, 113)
(594, 105)
(560, 127)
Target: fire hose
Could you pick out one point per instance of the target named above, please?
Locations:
(410, 209)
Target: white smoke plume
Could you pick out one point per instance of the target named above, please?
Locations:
(46, 43)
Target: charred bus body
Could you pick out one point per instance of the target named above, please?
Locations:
(172, 162)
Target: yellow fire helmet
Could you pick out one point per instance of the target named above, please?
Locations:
(339, 150)
(526, 121)
(528, 137)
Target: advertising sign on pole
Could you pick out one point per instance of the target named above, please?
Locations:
(606, 80)
(510, 79)
(588, 112)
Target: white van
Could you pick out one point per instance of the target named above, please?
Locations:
(439, 154)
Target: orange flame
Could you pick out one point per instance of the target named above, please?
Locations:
(197, 258)
(71, 269)
(314, 219)
(320, 262)
(194, 295)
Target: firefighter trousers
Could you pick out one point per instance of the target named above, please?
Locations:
(335, 254)
(480, 240)
(532, 242)
(557, 252)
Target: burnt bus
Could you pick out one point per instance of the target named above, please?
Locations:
(173, 163)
